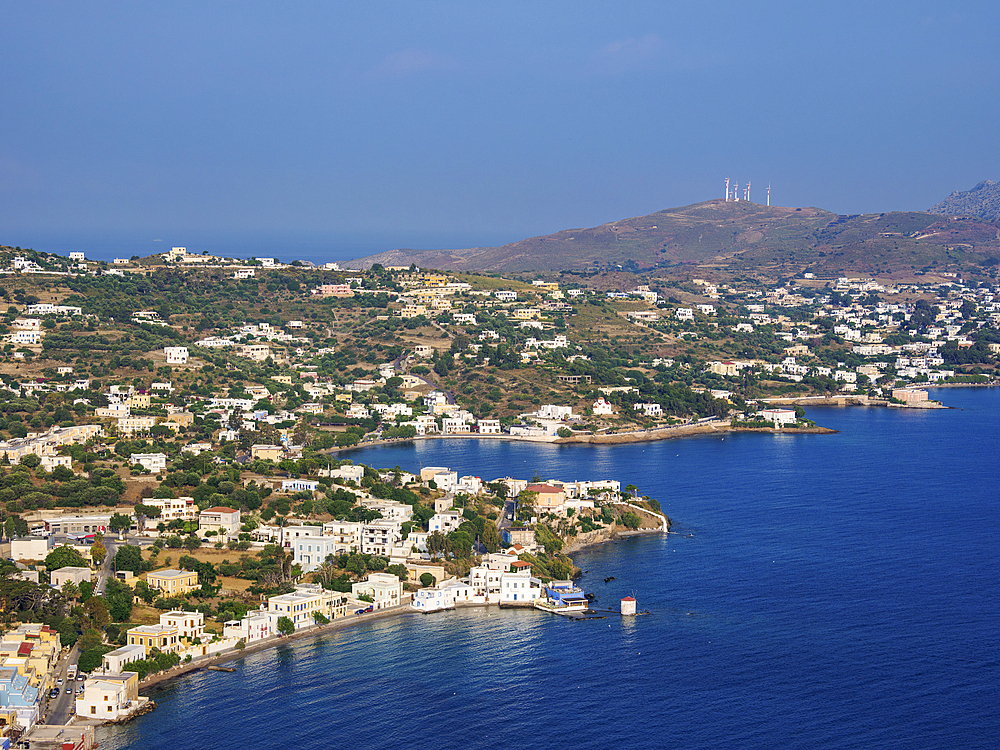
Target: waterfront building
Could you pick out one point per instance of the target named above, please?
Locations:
(108, 696)
(385, 589)
(303, 604)
(189, 625)
(518, 586)
(162, 637)
(114, 661)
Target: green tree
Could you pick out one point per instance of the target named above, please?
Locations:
(129, 557)
(564, 432)
(631, 520)
(491, 537)
(426, 579)
(120, 522)
(92, 658)
(143, 512)
(31, 461)
(285, 626)
(63, 557)
(119, 597)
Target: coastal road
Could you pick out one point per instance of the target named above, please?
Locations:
(60, 710)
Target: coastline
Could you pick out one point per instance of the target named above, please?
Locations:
(636, 436)
(402, 610)
(150, 683)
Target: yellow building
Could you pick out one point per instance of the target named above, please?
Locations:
(138, 400)
(162, 637)
(266, 452)
(172, 582)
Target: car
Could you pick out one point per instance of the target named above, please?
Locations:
(59, 681)
(69, 690)
(81, 677)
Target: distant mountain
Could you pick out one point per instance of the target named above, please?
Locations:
(737, 238)
(983, 201)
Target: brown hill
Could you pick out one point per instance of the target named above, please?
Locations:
(739, 238)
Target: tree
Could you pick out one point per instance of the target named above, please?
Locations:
(31, 461)
(564, 432)
(70, 590)
(129, 557)
(120, 522)
(63, 557)
(95, 613)
(93, 657)
(631, 520)
(426, 579)
(192, 542)
(285, 626)
(320, 619)
(119, 599)
(98, 551)
(491, 537)
(142, 512)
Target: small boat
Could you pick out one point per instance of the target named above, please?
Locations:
(609, 579)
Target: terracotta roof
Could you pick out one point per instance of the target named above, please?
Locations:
(520, 564)
(628, 599)
(24, 649)
(542, 488)
(220, 509)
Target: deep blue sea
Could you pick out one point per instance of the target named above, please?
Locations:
(839, 591)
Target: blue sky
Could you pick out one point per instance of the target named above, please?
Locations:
(419, 124)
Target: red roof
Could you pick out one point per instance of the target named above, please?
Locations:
(542, 488)
(628, 599)
(24, 649)
(520, 564)
(220, 509)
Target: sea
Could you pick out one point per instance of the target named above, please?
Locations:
(816, 591)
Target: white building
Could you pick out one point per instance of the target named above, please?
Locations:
(385, 589)
(176, 355)
(108, 696)
(115, 661)
(257, 625)
(154, 462)
(780, 417)
(189, 625)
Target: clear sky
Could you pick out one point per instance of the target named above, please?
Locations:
(415, 124)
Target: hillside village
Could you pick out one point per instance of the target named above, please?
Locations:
(199, 408)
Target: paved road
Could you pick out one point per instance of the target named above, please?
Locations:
(61, 709)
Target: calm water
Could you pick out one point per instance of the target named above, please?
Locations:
(838, 592)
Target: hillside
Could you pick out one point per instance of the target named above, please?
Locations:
(982, 201)
(738, 238)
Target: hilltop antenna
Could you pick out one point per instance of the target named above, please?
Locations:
(727, 190)
(769, 193)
